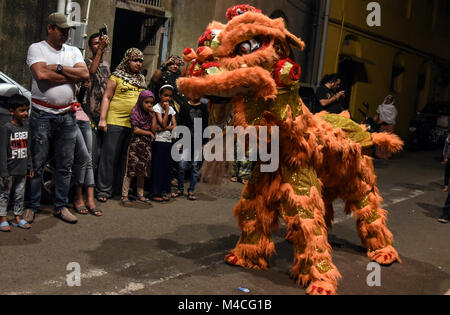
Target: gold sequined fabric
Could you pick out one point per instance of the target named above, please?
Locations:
(324, 266)
(351, 129)
(373, 217)
(301, 179)
(254, 109)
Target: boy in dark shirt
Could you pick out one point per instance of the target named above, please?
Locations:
(15, 162)
(194, 109)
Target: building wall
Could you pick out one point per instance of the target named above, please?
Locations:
(417, 39)
(22, 22)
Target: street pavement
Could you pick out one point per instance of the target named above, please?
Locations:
(177, 248)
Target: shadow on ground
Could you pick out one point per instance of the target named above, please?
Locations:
(168, 257)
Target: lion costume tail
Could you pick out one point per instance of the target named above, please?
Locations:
(392, 142)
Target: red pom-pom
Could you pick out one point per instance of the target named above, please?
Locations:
(206, 36)
(240, 9)
(200, 49)
(187, 51)
(294, 73)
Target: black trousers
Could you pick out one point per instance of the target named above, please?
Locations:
(447, 174)
(111, 167)
(161, 168)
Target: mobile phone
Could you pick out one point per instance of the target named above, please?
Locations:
(103, 31)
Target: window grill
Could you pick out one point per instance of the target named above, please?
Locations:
(148, 34)
(151, 3)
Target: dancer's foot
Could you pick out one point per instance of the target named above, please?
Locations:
(320, 288)
(384, 256)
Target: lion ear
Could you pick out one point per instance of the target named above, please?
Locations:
(294, 41)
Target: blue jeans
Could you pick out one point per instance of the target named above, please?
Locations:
(184, 165)
(17, 185)
(56, 134)
(82, 167)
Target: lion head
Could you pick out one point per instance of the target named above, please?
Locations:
(249, 56)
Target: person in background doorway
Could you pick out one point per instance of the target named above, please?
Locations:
(329, 95)
(386, 118)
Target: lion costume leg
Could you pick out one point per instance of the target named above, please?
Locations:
(304, 212)
(370, 218)
(256, 222)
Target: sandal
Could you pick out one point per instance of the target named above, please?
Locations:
(177, 194)
(81, 210)
(166, 198)
(234, 179)
(158, 199)
(144, 200)
(191, 196)
(96, 212)
(102, 199)
(125, 202)
(22, 224)
(4, 227)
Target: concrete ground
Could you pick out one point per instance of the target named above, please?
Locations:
(177, 248)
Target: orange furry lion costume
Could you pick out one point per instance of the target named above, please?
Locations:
(321, 156)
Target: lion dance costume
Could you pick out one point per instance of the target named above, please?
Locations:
(249, 60)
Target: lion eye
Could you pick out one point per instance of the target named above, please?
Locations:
(248, 47)
(245, 48)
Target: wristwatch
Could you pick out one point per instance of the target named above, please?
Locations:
(59, 68)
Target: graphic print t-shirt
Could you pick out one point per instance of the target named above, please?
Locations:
(122, 103)
(15, 157)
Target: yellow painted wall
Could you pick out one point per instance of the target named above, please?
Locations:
(416, 32)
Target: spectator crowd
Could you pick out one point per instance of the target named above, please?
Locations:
(106, 133)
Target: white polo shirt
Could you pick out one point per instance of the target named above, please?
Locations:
(52, 93)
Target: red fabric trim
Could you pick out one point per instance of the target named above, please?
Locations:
(74, 106)
(210, 65)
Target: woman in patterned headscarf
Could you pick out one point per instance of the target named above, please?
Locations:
(121, 95)
(169, 72)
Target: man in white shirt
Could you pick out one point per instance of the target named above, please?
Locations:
(56, 68)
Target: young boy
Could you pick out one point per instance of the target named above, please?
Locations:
(194, 109)
(15, 162)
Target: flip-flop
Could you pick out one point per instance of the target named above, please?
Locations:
(4, 225)
(158, 199)
(22, 224)
(81, 210)
(177, 194)
(96, 212)
(144, 200)
(126, 202)
(191, 196)
(102, 199)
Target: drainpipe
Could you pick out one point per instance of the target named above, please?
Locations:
(87, 23)
(165, 42)
(61, 6)
(317, 32)
(324, 42)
